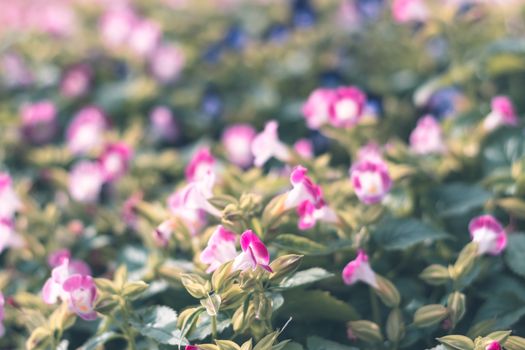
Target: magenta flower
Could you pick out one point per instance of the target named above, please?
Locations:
(166, 63)
(163, 126)
(409, 11)
(76, 80)
(201, 164)
(144, 37)
(502, 113)
(8, 237)
(309, 215)
(488, 233)
(193, 219)
(316, 110)
(86, 130)
(82, 295)
(304, 189)
(116, 25)
(53, 288)
(427, 137)
(220, 249)
(2, 314)
(371, 180)
(191, 347)
(304, 148)
(85, 181)
(267, 145)
(39, 123)
(254, 253)
(9, 200)
(115, 160)
(347, 107)
(236, 140)
(359, 270)
(494, 346)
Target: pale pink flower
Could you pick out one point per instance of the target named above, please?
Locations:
(115, 160)
(201, 164)
(502, 113)
(166, 63)
(53, 290)
(309, 215)
(195, 195)
(116, 25)
(346, 109)
(304, 148)
(316, 110)
(371, 180)
(85, 181)
(254, 253)
(76, 80)
(193, 219)
(8, 237)
(82, 294)
(427, 137)
(163, 126)
(220, 249)
(409, 11)
(488, 233)
(236, 140)
(359, 270)
(86, 131)
(39, 122)
(144, 37)
(9, 201)
(370, 152)
(304, 189)
(267, 145)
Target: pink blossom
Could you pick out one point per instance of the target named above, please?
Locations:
(236, 140)
(14, 70)
(144, 37)
(191, 347)
(194, 219)
(55, 18)
(494, 346)
(503, 113)
(8, 237)
(116, 25)
(346, 109)
(488, 233)
(316, 110)
(166, 63)
(409, 10)
(86, 130)
(85, 181)
(82, 294)
(254, 253)
(76, 80)
(370, 152)
(58, 257)
(304, 148)
(115, 160)
(427, 137)
(195, 195)
(163, 232)
(309, 215)
(9, 200)
(371, 180)
(128, 212)
(220, 249)
(201, 164)
(163, 126)
(359, 270)
(304, 189)
(39, 123)
(267, 145)
(2, 314)
(53, 290)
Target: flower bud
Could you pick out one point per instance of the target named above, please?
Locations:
(366, 331)
(395, 326)
(515, 343)
(133, 289)
(284, 265)
(465, 261)
(195, 285)
(429, 315)
(387, 292)
(232, 297)
(458, 342)
(435, 275)
(456, 307)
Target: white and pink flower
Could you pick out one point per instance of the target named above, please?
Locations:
(8, 237)
(371, 180)
(39, 122)
(76, 80)
(304, 189)
(115, 160)
(201, 165)
(427, 137)
(236, 140)
(316, 110)
(371, 151)
(359, 269)
(410, 11)
(309, 215)
(304, 148)
(144, 37)
(502, 113)
(166, 63)
(254, 253)
(86, 130)
(220, 249)
(494, 346)
(267, 145)
(116, 25)
(163, 126)
(193, 219)
(58, 257)
(488, 233)
(346, 109)
(195, 195)
(9, 201)
(85, 181)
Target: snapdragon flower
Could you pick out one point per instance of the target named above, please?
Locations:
(304, 189)
(316, 109)
(371, 180)
(254, 253)
(502, 113)
(85, 181)
(200, 165)
(236, 140)
(359, 269)
(220, 249)
(427, 137)
(115, 160)
(267, 145)
(166, 63)
(488, 233)
(85, 132)
(347, 107)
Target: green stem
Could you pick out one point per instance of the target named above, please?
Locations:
(214, 327)
(126, 329)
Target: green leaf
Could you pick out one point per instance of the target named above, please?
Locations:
(293, 346)
(503, 147)
(394, 234)
(299, 244)
(305, 277)
(318, 343)
(507, 309)
(321, 306)
(458, 198)
(514, 253)
(95, 342)
(159, 323)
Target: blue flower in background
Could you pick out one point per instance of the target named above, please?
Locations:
(444, 102)
(277, 33)
(211, 103)
(235, 38)
(370, 9)
(303, 14)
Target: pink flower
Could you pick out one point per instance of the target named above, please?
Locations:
(494, 346)
(316, 110)
(370, 152)
(427, 137)
(194, 219)
(76, 80)
(163, 232)
(267, 145)
(86, 130)
(359, 270)
(53, 288)
(346, 109)
(128, 213)
(236, 140)
(144, 37)
(304, 148)
(9, 200)
(308, 215)
(254, 253)
(191, 347)
(201, 164)
(58, 257)
(39, 123)
(166, 63)
(371, 180)
(14, 70)
(163, 126)
(409, 10)
(488, 233)
(115, 160)
(116, 25)
(85, 181)
(220, 249)
(304, 189)
(82, 294)
(8, 237)
(502, 113)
